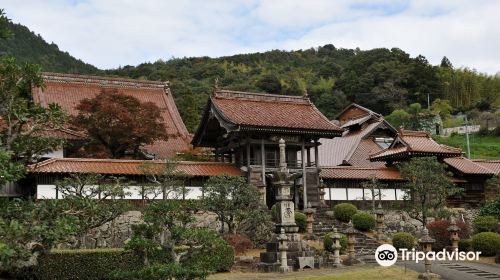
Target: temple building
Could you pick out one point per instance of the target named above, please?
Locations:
(68, 90)
(244, 129)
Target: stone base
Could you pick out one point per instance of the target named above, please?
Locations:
(299, 255)
(428, 276)
(285, 269)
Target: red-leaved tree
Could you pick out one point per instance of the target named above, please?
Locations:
(118, 123)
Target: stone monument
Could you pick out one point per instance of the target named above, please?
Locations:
(298, 254)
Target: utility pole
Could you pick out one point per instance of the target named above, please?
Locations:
(467, 137)
(428, 101)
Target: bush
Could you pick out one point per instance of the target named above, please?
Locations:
(485, 223)
(486, 242)
(491, 209)
(84, 264)
(301, 221)
(328, 243)
(239, 242)
(160, 272)
(344, 211)
(363, 221)
(465, 245)
(439, 231)
(403, 240)
(212, 253)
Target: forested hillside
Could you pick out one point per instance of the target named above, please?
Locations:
(380, 79)
(26, 46)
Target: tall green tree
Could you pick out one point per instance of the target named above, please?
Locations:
(233, 200)
(428, 185)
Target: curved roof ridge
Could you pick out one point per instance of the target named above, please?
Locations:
(102, 80)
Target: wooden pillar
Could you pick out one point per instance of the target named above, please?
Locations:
(308, 156)
(216, 154)
(240, 151)
(316, 153)
(248, 159)
(263, 161)
(304, 177)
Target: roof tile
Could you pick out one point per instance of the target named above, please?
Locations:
(69, 90)
(131, 167)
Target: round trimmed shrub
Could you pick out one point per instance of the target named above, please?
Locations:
(439, 231)
(363, 221)
(465, 245)
(344, 211)
(486, 242)
(239, 242)
(403, 240)
(485, 223)
(328, 243)
(301, 221)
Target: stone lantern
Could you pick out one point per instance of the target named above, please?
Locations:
(283, 247)
(336, 248)
(351, 241)
(453, 229)
(426, 243)
(380, 223)
(309, 211)
(322, 192)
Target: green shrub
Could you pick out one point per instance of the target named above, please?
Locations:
(485, 223)
(344, 211)
(212, 253)
(486, 242)
(328, 243)
(465, 245)
(492, 208)
(160, 272)
(301, 221)
(84, 264)
(403, 240)
(363, 221)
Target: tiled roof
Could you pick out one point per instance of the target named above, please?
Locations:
(352, 148)
(130, 167)
(69, 90)
(414, 143)
(467, 166)
(493, 165)
(260, 110)
(360, 173)
(64, 133)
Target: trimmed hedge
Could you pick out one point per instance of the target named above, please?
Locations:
(486, 242)
(344, 211)
(363, 221)
(465, 245)
(328, 243)
(301, 221)
(485, 224)
(84, 263)
(403, 240)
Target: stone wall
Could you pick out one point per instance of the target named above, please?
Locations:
(117, 232)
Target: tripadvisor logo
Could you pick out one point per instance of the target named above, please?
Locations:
(387, 255)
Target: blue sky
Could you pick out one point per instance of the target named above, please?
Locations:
(112, 33)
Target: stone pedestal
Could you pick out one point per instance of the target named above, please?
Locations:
(453, 229)
(351, 241)
(426, 242)
(273, 259)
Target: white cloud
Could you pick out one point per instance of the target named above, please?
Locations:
(116, 32)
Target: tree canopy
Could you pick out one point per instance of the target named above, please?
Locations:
(118, 123)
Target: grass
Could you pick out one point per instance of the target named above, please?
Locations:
(481, 147)
(345, 273)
